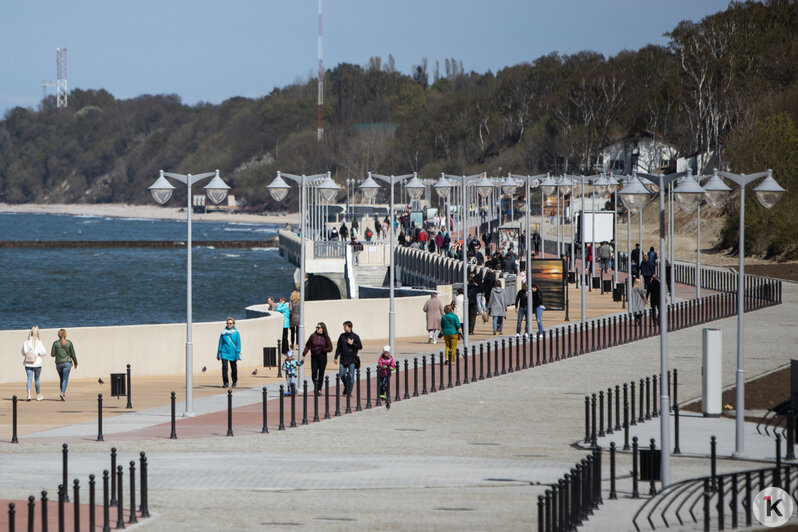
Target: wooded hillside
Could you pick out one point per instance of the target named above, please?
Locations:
(726, 84)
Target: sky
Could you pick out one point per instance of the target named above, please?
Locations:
(209, 51)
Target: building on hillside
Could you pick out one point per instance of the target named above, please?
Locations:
(637, 154)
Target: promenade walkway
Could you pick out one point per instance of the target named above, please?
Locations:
(470, 458)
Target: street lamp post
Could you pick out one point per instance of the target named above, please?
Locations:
(369, 188)
(161, 191)
(278, 189)
(768, 193)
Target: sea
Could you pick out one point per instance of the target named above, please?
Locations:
(58, 287)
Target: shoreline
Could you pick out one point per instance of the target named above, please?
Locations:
(146, 212)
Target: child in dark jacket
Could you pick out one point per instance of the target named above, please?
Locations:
(384, 366)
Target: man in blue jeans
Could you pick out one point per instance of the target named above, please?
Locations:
(521, 308)
(348, 346)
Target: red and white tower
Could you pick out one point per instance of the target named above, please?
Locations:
(319, 127)
(61, 83)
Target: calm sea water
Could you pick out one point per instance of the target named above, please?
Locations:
(90, 287)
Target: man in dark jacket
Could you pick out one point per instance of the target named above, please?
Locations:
(348, 346)
(344, 232)
(653, 297)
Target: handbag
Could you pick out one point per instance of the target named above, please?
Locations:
(357, 361)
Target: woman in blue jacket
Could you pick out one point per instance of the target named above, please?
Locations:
(283, 308)
(229, 351)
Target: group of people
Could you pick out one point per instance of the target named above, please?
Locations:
(291, 311)
(646, 284)
(62, 351)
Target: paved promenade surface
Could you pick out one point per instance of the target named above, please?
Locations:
(472, 457)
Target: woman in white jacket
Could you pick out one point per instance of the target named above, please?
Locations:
(32, 350)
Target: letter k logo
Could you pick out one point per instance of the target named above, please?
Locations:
(773, 506)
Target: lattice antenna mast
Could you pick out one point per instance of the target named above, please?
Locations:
(61, 83)
(319, 128)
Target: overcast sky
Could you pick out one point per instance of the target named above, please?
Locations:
(209, 51)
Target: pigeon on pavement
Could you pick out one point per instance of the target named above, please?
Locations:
(255, 371)
(204, 369)
(100, 380)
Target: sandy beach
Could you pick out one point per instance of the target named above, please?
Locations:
(146, 212)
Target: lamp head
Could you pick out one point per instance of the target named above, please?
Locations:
(216, 189)
(768, 192)
(369, 187)
(328, 189)
(161, 190)
(415, 187)
(278, 188)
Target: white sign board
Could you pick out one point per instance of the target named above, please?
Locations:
(603, 224)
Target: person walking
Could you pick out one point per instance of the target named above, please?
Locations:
(319, 345)
(384, 366)
(473, 307)
(652, 292)
(647, 269)
(604, 254)
(635, 259)
(637, 300)
(294, 313)
(348, 346)
(64, 353)
(450, 328)
(291, 368)
(229, 351)
(283, 308)
(457, 304)
(521, 308)
(497, 306)
(538, 307)
(32, 351)
(344, 232)
(433, 308)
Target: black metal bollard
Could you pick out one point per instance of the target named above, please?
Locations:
(14, 438)
(61, 501)
(132, 518)
(523, 350)
(113, 476)
(423, 374)
(65, 470)
(31, 513)
(504, 353)
(106, 504)
(337, 395)
(713, 444)
(676, 449)
(388, 388)
(632, 404)
(609, 411)
(44, 511)
(488, 374)
(449, 370)
(173, 435)
(635, 475)
(432, 373)
(281, 426)
(613, 493)
(92, 501)
(378, 402)
(790, 438)
(265, 428)
(556, 349)
(601, 413)
(12, 515)
(358, 408)
(398, 396)
(652, 490)
(648, 397)
(120, 510)
(473, 364)
(642, 416)
(617, 407)
(144, 503)
(415, 376)
(229, 412)
(675, 385)
(593, 440)
(587, 419)
(368, 390)
(654, 412)
(482, 360)
(496, 358)
(777, 469)
(407, 382)
(326, 397)
(541, 510)
(305, 400)
(625, 420)
(456, 364)
(129, 392)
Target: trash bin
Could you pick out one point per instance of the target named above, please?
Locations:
(607, 285)
(571, 277)
(596, 282)
(650, 464)
(269, 357)
(118, 388)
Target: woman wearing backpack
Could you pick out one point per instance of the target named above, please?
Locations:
(32, 350)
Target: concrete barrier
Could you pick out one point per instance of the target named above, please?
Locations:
(157, 349)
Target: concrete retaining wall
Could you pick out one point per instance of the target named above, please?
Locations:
(158, 349)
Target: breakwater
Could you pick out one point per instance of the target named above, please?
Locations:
(157, 244)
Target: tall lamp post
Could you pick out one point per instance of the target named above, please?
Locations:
(278, 189)
(370, 188)
(768, 193)
(547, 188)
(161, 191)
